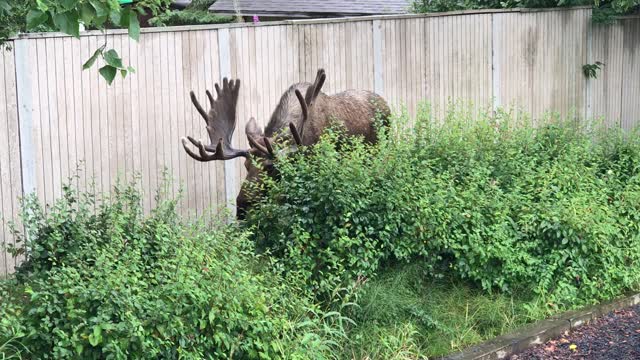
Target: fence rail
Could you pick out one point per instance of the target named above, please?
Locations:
(54, 115)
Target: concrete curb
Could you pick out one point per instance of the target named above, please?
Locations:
(506, 345)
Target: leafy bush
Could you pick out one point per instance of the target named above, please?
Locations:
(112, 283)
(423, 6)
(334, 213)
(604, 11)
(188, 17)
(551, 209)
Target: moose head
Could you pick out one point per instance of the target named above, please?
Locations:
(305, 116)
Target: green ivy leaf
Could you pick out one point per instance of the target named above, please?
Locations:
(131, 69)
(112, 58)
(35, 18)
(123, 72)
(134, 26)
(92, 59)
(108, 72)
(67, 22)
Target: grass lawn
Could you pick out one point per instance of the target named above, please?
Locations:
(403, 314)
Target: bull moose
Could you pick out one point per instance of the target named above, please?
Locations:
(305, 116)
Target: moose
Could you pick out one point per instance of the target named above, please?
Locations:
(306, 117)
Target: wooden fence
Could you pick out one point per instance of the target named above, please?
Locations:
(54, 116)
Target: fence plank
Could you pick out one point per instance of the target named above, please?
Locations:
(605, 91)
(630, 111)
(10, 166)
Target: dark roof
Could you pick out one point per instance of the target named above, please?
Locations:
(311, 8)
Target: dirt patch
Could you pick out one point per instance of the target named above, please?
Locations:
(613, 336)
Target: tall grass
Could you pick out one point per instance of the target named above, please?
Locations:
(407, 314)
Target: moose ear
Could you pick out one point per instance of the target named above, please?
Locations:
(256, 138)
(252, 129)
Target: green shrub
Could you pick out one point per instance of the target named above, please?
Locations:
(188, 17)
(102, 280)
(423, 6)
(335, 212)
(550, 209)
(604, 12)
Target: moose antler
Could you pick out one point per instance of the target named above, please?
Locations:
(306, 102)
(221, 122)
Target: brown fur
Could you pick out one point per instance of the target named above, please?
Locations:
(354, 109)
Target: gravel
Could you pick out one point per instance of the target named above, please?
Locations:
(615, 336)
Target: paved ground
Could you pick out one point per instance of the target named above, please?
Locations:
(615, 336)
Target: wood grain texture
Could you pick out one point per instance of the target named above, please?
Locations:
(10, 165)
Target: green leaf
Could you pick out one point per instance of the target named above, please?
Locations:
(102, 12)
(108, 72)
(99, 21)
(35, 18)
(4, 5)
(131, 69)
(69, 4)
(123, 72)
(42, 5)
(96, 337)
(124, 17)
(87, 13)
(101, 8)
(112, 58)
(134, 26)
(67, 22)
(92, 59)
(115, 17)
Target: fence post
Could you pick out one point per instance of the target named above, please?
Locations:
(24, 72)
(378, 78)
(230, 180)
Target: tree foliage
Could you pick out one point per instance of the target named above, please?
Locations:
(603, 10)
(68, 15)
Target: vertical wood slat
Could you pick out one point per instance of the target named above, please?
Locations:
(630, 109)
(606, 42)
(10, 164)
